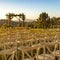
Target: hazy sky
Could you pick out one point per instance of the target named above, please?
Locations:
(31, 8)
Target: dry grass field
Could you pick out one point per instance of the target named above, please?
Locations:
(23, 34)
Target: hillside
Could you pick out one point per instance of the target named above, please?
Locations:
(14, 23)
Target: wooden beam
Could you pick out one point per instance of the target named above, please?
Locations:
(22, 55)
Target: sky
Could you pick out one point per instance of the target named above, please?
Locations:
(31, 8)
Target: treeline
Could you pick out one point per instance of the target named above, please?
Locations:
(44, 21)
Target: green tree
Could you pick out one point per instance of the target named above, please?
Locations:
(53, 21)
(44, 20)
(43, 16)
(9, 17)
(23, 18)
(37, 24)
(48, 22)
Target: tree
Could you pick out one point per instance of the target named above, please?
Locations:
(9, 17)
(48, 22)
(53, 21)
(44, 20)
(43, 16)
(37, 24)
(23, 18)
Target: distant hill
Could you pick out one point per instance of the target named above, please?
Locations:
(14, 23)
(30, 20)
